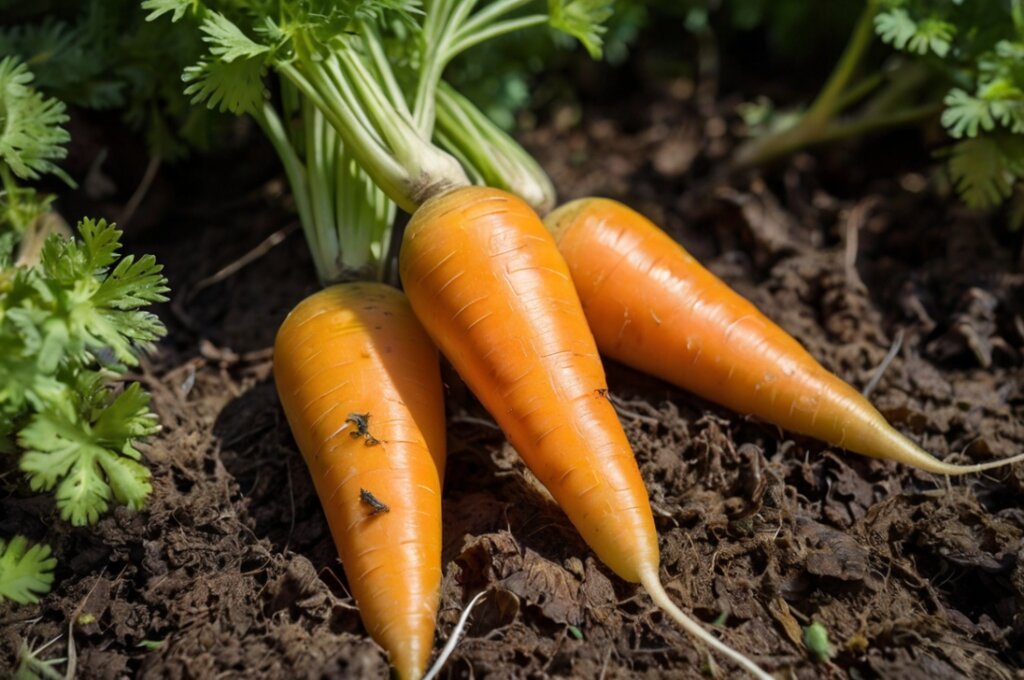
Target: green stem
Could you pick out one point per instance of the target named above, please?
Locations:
(490, 14)
(825, 106)
(905, 81)
(862, 89)
(498, 159)
(272, 127)
(866, 125)
(497, 30)
(406, 185)
(321, 144)
(382, 69)
(768, 149)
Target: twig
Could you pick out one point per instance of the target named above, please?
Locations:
(619, 406)
(265, 246)
(130, 208)
(880, 371)
(854, 223)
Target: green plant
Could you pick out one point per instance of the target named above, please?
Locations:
(357, 85)
(25, 572)
(961, 62)
(102, 54)
(71, 319)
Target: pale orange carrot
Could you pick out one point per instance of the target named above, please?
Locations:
(360, 384)
(652, 306)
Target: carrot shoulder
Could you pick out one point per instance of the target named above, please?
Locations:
(652, 306)
(360, 384)
(488, 283)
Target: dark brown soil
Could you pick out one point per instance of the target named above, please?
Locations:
(230, 570)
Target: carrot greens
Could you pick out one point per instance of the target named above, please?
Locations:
(353, 101)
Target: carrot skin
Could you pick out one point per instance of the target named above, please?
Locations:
(652, 306)
(486, 280)
(360, 384)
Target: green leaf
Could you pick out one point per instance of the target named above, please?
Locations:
(235, 86)
(31, 136)
(25, 572)
(965, 115)
(895, 27)
(176, 8)
(1010, 114)
(99, 307)
(583, 20)
(227, 41)
(126, 418)
(90, 457)
(984, 169)
(932, 34)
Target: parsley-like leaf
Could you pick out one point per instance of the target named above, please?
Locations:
(966, 114)
(91, 457)
(227, 41)
(25, 572)
(984, 169)
(94, 307)
(895, 27)
(31, 136)
(176, 8)
(583, 20)
(235, 86)
(932, 34)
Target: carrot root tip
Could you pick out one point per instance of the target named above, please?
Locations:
(652, 584)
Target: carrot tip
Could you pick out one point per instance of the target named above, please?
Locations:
(944, 468)
(652, 584)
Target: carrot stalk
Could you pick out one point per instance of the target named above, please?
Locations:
(652, 306)
(360, 384)
(486, 280)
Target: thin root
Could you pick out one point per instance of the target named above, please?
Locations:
(652, 584)
(453, 639)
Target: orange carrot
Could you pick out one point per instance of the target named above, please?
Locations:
(360, 384)
(652, 306)
(486, 280)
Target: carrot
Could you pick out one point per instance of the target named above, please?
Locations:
(652, 306)
(360, 384)
(486, 280)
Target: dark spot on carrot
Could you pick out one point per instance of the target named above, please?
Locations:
(378, 327)
(371, 500)
(601, 393)
(362, 423)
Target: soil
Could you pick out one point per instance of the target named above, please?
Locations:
(230, 571)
